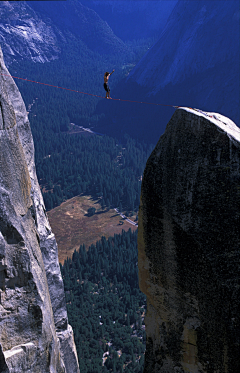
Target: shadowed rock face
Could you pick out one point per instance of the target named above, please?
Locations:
(189, 246)
(34, 331)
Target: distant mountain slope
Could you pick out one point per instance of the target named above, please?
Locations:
(39, 30)
(133, 19)
(194, 63)
(24, 35)
(198, 36)
(84, 23)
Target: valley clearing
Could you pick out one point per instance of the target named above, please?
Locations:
(73, 227)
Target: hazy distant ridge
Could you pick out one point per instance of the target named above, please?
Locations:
(198, 36)
(194, 63)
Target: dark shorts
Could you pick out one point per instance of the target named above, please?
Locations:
(106, 87)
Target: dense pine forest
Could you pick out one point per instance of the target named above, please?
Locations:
(105, 306)
(93, 165)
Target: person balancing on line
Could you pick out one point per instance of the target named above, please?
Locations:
(106, 86)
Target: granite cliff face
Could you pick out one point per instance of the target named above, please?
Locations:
(24, 35)
(39, 31)
(189, 246)
(34, 331)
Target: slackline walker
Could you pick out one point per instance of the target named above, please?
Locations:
(105, 84)
(90, 94)
(106, 87)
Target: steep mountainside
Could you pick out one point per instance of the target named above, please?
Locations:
(127, 18)
(82, 22)
(38, 31)
(34, 331)
(194, 63)
(199, 35)
(24, 35)
(188, 246)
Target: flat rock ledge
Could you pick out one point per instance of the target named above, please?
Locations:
(189, 246)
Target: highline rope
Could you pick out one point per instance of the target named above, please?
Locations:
(85, 93)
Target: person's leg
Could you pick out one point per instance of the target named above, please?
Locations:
(106, 89)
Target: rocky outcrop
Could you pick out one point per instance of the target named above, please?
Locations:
(34, 331)
(24, 35)
(189, 246)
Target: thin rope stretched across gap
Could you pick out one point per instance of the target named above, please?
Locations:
(90, 94)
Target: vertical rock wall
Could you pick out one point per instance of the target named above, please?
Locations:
(189, 246)
(34, 331)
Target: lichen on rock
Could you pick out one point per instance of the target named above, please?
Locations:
(189, 246)
(34, 330)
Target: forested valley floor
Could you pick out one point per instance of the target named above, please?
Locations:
(105, 306)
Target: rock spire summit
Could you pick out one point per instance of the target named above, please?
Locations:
(188, 242)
